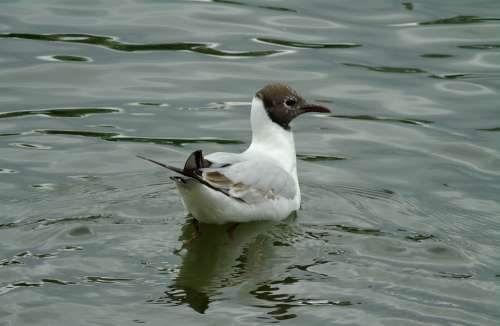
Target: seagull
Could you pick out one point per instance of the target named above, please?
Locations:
(258, 184)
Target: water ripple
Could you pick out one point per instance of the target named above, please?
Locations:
(400, 70)
(64, 58)
(280, 304)
(418, 122)
(297, 44)
(3, 170)
(112, 136)
(107, 279)
(113, 43)
(31, 146)
(490, 129)
(233, 2)
(464, 88)
(77, 112)
(459, 20)
(480, 46)
(436, 55)
(316, 157)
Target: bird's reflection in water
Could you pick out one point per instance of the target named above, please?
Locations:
(214, 261)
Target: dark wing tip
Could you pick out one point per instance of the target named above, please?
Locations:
(190, 173)
(152, 161)
(172, 168)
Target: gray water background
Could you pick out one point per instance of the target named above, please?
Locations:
(400, 218)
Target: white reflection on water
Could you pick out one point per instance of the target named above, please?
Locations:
(463, 88)
(486, 60)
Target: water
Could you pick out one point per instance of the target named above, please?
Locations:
(400, 219)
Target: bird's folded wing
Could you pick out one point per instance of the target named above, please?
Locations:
(252, 181)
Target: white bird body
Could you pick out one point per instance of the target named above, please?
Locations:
(272, 150)
(260, 183)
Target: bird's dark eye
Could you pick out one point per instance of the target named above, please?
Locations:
(290, 102)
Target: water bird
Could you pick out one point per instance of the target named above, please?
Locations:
(258, 184)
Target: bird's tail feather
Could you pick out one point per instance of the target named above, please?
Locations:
(193, 164)
(172, 168)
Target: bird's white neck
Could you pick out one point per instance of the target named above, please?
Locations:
(271, 140)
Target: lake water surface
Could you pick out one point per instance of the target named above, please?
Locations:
(400, 218)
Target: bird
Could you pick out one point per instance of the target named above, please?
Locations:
(261, 183)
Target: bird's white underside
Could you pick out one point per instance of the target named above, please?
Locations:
(264, 176)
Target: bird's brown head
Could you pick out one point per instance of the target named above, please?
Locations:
(283, 104)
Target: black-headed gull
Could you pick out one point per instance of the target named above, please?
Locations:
(258, 184)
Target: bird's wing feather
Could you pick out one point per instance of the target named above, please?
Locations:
(193, 164)
(252, 181)
(223, 159)
(249, 181)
